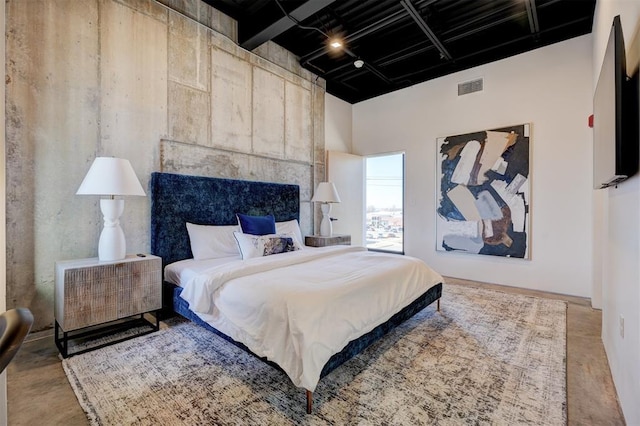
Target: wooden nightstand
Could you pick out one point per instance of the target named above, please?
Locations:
(320, 241)
(94, 298)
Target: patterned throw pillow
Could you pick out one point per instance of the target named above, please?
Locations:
(276, 245)
(264, 245)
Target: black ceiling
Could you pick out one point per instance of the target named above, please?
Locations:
(403, 42)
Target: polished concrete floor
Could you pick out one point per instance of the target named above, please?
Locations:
(39, 393)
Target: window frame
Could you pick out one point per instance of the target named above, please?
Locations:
(403, 191)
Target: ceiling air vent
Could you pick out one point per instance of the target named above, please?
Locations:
(470, 87)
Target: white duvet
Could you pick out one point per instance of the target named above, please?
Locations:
(300, 308)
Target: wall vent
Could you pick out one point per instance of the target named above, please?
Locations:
(470, 87)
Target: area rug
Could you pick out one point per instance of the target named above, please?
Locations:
(486, 358)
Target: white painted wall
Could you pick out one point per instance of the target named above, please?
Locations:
(346, 171)
(337, 124)
(550, 87)
(619, 210)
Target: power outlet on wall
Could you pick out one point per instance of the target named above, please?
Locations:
(621, 326)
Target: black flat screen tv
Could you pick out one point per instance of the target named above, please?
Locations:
(615, 116)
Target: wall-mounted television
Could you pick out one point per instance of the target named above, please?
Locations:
(615, 116)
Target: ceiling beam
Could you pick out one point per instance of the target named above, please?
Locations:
(532, 14)
(286, 22)
(495, 47)
(417, 49)
(425, 28)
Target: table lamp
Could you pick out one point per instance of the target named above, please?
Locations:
(113, 177)
(326, 194)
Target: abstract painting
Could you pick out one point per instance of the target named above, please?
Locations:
(483, 199)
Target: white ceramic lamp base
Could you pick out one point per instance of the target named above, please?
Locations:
(326, 229)
(112, 245)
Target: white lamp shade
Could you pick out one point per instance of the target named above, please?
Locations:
(326, 193)
(110, 176)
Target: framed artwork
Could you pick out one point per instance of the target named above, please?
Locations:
(483, 199)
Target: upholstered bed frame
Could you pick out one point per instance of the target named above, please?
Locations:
(177, 199)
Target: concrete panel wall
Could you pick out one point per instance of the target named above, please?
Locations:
(3, 235)
(230, 101)
(268, 114)
(133, 110)
(178, 157)
(115, 78)
(201, 13)
(298, 123)
(188, 52)
(53, 106)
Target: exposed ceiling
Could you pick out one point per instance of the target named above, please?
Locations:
(403, 42)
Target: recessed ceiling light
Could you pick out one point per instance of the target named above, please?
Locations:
(335, 43)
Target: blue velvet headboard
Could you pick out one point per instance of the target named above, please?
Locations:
(177, 199)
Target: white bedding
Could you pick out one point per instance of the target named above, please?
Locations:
(300, 308)
(184, 270)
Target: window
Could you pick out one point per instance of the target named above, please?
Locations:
(384, 203)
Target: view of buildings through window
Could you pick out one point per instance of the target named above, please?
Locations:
(384, 201)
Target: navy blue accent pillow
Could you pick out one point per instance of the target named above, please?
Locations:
(257, 225)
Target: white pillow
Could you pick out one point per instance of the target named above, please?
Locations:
(263, 245)
(212, 242)
(291, 227)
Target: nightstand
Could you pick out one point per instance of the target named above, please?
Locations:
(320, 241)
(94, 298)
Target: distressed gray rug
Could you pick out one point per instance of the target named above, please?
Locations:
(487, 358)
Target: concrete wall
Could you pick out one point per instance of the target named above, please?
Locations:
(619, 212)
(3, 234)
(549, 87)
(167, 88)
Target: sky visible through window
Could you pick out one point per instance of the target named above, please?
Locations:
(384, 199)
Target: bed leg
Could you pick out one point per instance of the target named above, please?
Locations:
(438, 305)
(309, 401)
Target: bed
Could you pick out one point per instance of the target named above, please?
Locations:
(297, 344)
